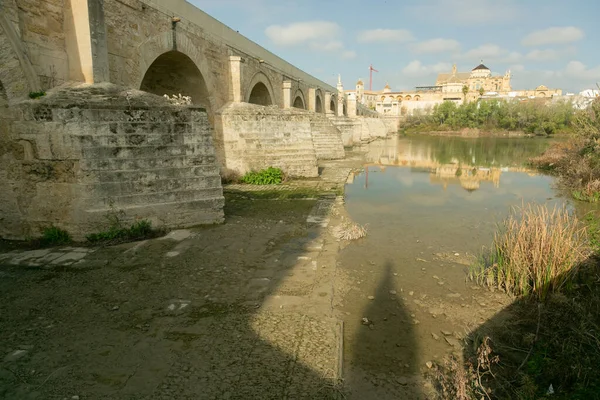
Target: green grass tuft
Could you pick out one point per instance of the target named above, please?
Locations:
(535, 251)
(36, 95)
(269, 176)
(53, 235)
(138, 230)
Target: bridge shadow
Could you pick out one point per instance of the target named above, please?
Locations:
(173, 319)
(544, 346)
(382, 362)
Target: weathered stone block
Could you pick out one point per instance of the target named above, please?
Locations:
(72, 166)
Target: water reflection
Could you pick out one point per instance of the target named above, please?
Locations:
(429, 204)
(466, 162)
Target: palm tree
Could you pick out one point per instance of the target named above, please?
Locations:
(465, 90)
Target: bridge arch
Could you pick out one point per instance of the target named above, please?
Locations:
(260, 90)
(174, 73)
(319, 102)
(333, 105)
(299, 101)
(158, 45)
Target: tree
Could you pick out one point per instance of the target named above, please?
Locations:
(481, 92)
(465, 90)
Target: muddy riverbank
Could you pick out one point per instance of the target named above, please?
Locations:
(269, 305)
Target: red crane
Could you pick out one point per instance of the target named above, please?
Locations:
(371, 69)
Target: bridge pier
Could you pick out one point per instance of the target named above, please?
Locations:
(287, 94)
(85, 40)
(236, 78)
(312, 100)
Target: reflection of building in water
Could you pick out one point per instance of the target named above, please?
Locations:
(468, 177)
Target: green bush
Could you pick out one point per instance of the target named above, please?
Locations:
(531, 117)
(53, 235)
(138, 230)
(35, 95)
(269, 176)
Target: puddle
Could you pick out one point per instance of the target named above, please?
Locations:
(430, 204)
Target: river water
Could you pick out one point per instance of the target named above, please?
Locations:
(430, 204)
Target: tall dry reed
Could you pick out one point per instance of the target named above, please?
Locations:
(535, 251)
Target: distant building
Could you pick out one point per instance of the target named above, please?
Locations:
(479, 83)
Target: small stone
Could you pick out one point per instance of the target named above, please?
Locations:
(403, 380)
(75, 397)
(446, 333)
(371, 327)
(423, 269)
(395, 274)
(440, 283)
(15, 355)
(365, 321)
(115, 308)
(412, 315)
(406, 365)
(435, 277)
(371, 297)
(456, 254)
(435, 337)
(392, 292)
(411, 293)
(416, 322)
(429, 364)
(452, 342)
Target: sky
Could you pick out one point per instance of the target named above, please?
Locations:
(549, 42)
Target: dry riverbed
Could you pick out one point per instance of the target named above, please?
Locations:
(261, 307)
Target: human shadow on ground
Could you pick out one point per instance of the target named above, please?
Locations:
(382, 362)
(170, 320)
(543, 347)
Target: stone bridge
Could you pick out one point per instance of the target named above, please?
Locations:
(100, 141)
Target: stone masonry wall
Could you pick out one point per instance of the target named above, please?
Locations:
(364, 129)
(78, 155)
(255, 137)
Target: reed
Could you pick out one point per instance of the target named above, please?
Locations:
(535, 251)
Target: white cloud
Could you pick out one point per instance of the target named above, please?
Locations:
(517, 67)
(416, 69)
(543, 55)
(323, 36)
(486, 51)
(302, 32)
(577, 69)
(385, 35)
(438, 45)
(348, 54)
(472, 12)
(574, 77)
(332, 45)
(555, 35)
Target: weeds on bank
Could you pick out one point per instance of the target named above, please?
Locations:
(349, 230)
(53, 236)
(453, 381)
(269, 176)
(36, 95)
(138, 230)
(535, 251)
(577, 162)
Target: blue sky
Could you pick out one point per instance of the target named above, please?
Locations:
(550, 42)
